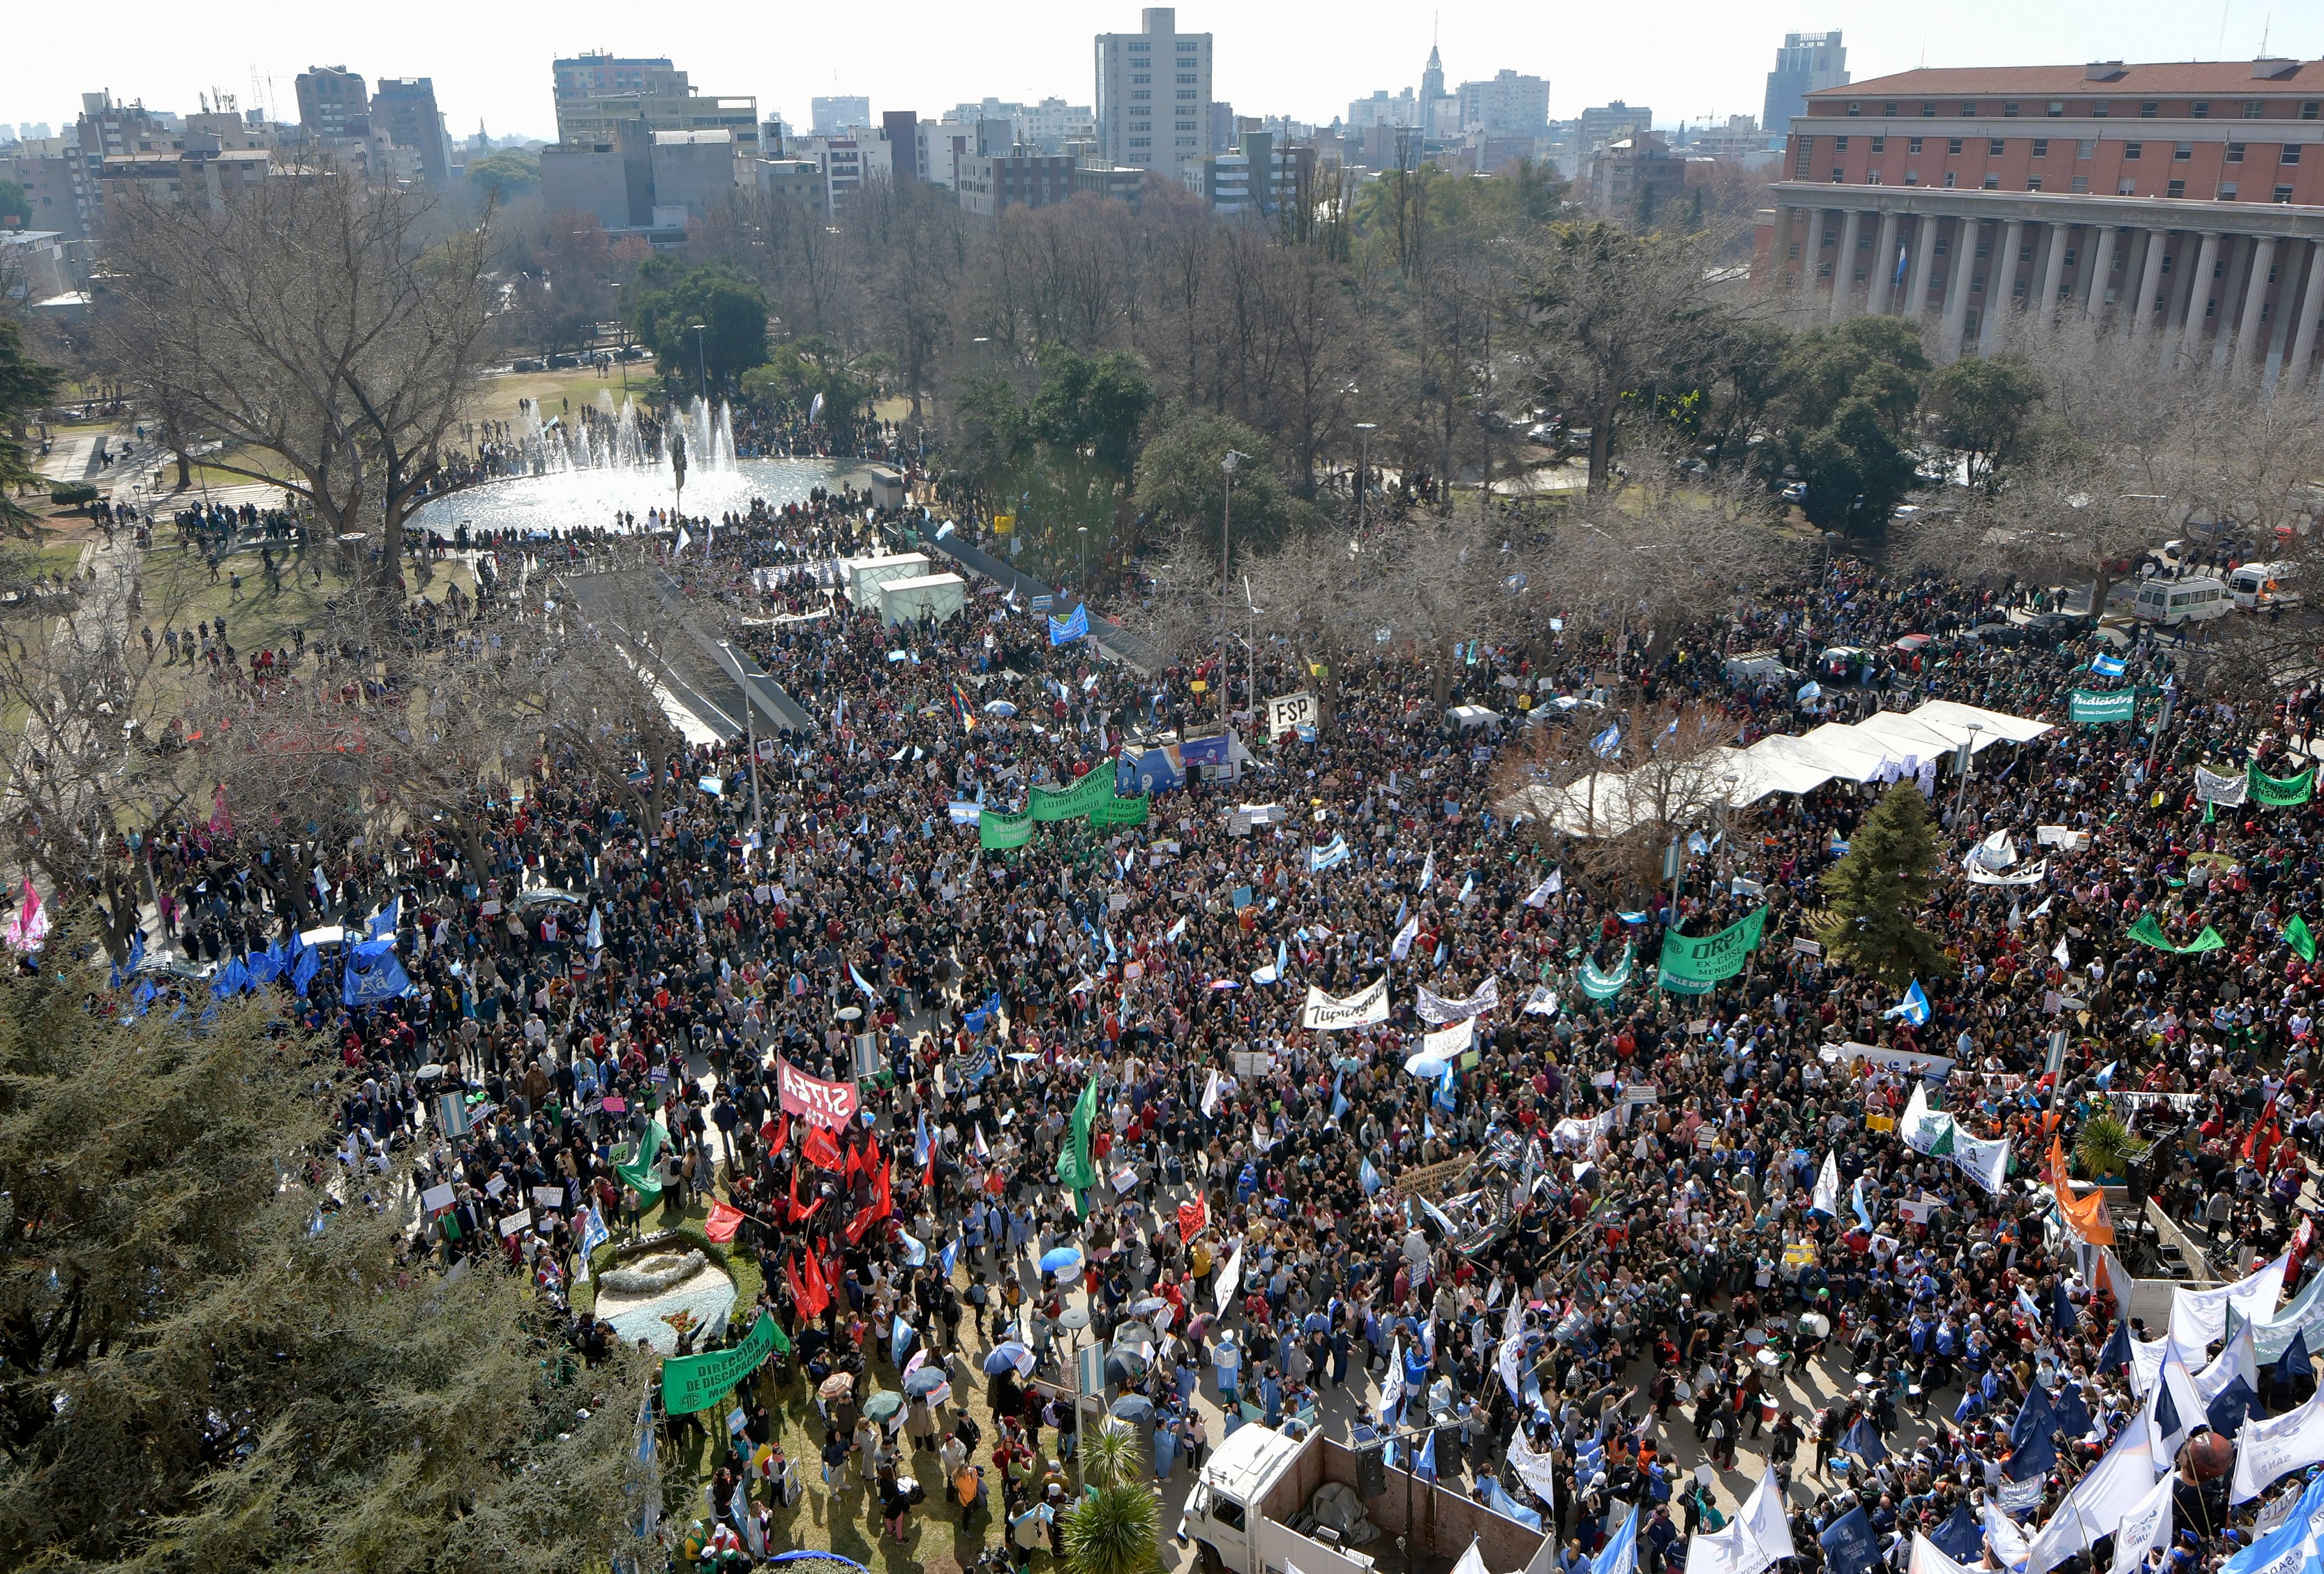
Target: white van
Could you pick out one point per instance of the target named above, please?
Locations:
(2257, 586)
(2182, 600)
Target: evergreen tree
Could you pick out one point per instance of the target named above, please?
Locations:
(208, 1362)
(1879, 888)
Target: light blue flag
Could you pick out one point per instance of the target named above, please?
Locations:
(1370, 1178)
(2107, 666)
(1446, 1098)
(900, 1342)
(914, 1254)
(383, 922)
(920, 1141)
(596, 930)
(1604, 746)
(2105, 1078)
(1498, 1500)
(1913, 1008)
(869, 992)
(1620, 1553)
(1424, 1468)
(1855, 1198)
(1066, 630)
(1339, 1098)
(951, 1256)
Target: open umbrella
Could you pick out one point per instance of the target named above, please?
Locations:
(1063, 1259)
(883, 1405)
(999, 708)
(923, 1381)
(838, 1385)
(1006, 1356)
(1124, 1365)
(1133, 1334)
(1148, 1307)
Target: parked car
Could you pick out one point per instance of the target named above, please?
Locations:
(2057, 625)
(528, 364)
(1998, 633)
(1795, 492)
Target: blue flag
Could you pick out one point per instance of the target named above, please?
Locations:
(385, 922)
(230, 979)
(2063, 1315)
(2116, 1354)
(303, 971)
(2232, 1406)
(2031, 1459)
(1370, 1178)
(1508, 1507)
(900, 1342)
(373, 974)
(1424, 1467)
(1066, 630)
(2105, 1079)
(1848, 1545)
(2294, 1361)
(1961, 1537)
(2069, 1415)
(2035, 1418)
(1863, 1440)
(979, 1019)
(1856, 1199)
(951, 1256)
(1913, 1008)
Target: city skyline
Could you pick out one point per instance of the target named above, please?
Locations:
(1301, 62)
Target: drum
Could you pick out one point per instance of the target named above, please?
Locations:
(1770, 1362)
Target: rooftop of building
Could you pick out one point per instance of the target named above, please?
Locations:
(682, 138)
(2105, 78)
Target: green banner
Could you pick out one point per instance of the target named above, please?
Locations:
(1003, 830)
(1696, 967)
(639, 1175)
(692, 1383)
(1121, 811)
(2147, 931)
(1076, 1168)
(2091, 709)
(1072, 803)
(2281, 792)
(2296, 935)
(1601, 986)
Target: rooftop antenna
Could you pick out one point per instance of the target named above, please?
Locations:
(2222, 46)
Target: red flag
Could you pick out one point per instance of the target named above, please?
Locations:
(783, 1138)
(797, 1212)
(882, 1200)
(854, 1162)
(820, 1149)
(798, 1291)
(723, 1222)
(816, 1287)
(929, 1178)
(865, 1216)
(1193, 1218)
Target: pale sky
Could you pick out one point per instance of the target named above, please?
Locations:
(1687, 58)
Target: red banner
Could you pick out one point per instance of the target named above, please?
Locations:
(1192, 1219)
(725, 1221)
(829, 1105)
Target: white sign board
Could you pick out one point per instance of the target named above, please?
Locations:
(1290, 713)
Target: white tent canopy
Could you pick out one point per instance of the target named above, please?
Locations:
(1610, 802)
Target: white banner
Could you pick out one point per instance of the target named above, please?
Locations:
(2220, 789)
(1434, 1007)
(1986, 1163)
(1365, 1007)
(1230, 1283)
(1453, 1040)
(1289, 713)
(1756, 1539)
(2113, 1486)
(1537, 1471)
(1936, 1067)
(2033, 876)
(2267, 1450)
(2200, 1316)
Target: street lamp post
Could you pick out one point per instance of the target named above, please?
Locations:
(1083, 530)
(1363, 468)
(1960, 771)
(1410, 1469)
(1226, 528)
(701, 363)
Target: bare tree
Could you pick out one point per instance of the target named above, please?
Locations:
(311, 320)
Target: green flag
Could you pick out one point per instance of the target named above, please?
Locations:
(1696, 967)
(2282, 792)
(1121, 812)
(638, 1174)
(1074, 1169)
(1599, 985)
(1003, 831)
(2088, 709)
(2148, 931)
(692, 1383)
(2296, 935)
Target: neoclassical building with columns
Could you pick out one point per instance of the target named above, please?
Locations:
(2178, 206)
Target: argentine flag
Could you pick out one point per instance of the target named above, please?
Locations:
(1913, 1008)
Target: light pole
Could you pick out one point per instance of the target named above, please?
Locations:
(1960, 770)
(1083, 530)
(1251, 645)
(1364, 431)
(701, 364)
(1226, 529)
(1410, 1468)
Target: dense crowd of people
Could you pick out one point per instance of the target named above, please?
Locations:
(1596, 1236)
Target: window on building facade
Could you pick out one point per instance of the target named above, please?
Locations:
(1952, 144)
(1912, 177)
(1880, 144)
(2283, 194)
(2130, 152)
(2033, 182)
(2199, 110)
(2234, 153)
(1186, 77)
(2251, 109)
(2087, 147)
(1928, 109)
(1142, 77)
(1889, 107)
(2101, 110)
(2176, 188)
(2041, 147)
(1139, 93)
(2183, 151)
(2080, 183)
(1806, 162)
(2126, 188)
(1914, 145)
(2148, 110)
(1873, 179)
(1992, 147)
(1187, 93)
(2057, 107)
(1854, 108)
(1969, 108)
(2309, 110)
(1992, 182)
(1836, 175)
(2290, 154)
(2009, 110)
(2072, 253)
(1948, 180)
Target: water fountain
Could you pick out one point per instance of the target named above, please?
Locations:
(616, 460)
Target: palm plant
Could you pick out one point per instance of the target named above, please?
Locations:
(2104, 1146)
(1116, 1527)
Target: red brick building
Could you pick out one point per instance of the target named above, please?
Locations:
(2176, 204)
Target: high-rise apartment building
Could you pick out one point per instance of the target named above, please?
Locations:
(332, 102)
(1154, 94)
(596, 93)
(405, 109)
(901, 127)
(580, 78)
(1809, 62)
(1607, 122)
(1510, 105)
(839, 114)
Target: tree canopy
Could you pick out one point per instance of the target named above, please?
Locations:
(1878, 889)
(673, 296)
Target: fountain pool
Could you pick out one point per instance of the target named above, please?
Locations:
(615, 461)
